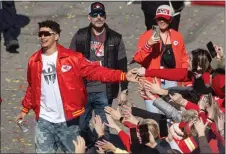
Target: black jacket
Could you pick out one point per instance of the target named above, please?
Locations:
(82, 42)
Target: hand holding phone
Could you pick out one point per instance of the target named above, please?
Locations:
(155, 38)
(155, 31)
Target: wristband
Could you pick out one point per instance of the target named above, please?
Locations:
(121, 118)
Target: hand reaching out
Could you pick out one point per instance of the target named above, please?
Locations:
(220, 123)
(112, 124)
(115, 114)
(176, 132)
(177, 98)
(220, 52)
(105, 145)
(98, 126)
(200, 127)
(80, 145)
(126, 112)
(154, 87)
(139, 71)
(131, 77)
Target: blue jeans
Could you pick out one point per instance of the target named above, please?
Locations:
(149, 103)
(97, 101)
(51, 136)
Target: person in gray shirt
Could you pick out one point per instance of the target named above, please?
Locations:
(102, 45)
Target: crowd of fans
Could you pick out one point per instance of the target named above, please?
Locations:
(184, 115)
(195, 114)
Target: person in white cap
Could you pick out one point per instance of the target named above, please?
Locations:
(149, 9)
(163, 48)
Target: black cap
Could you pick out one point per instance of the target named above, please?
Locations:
(96, 7)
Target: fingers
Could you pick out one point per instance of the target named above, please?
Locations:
(79, 141)
(108, 109)
(154, 80)
(118, 109)
(75, 143)
(108, 125)
(100, 150)
(105, 141)
(109, 118)
(97, 120)
(178, 130)
(100, 143)
(17, 118)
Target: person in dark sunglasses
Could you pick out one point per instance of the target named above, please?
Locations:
(45, 33)
(56, 90)
(103, 45)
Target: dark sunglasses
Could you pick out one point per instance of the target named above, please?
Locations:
(45, 33)
(94, 15)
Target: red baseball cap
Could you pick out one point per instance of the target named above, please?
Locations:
(164, 11)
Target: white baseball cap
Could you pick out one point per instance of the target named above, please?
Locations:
(164, 11)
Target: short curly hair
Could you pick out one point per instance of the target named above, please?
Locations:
(50, 24)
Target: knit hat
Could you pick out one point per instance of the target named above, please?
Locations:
(164, 11)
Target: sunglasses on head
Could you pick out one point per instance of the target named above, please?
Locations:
(94, 15)
(45, 33)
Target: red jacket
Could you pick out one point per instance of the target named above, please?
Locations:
(150, 56)
(72, 88)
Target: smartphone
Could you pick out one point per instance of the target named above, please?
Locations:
(133, 136)
(156, 29)
(211, 49)
(23, 126)
(144, 133)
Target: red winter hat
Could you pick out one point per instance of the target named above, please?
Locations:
(218, 85)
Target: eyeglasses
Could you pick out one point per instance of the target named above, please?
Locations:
(94, 15)
(45, 33)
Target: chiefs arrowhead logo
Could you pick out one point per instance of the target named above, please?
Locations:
(66, 68)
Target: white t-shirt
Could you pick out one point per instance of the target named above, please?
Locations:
(51, 103)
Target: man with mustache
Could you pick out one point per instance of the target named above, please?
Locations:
(103, 45)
